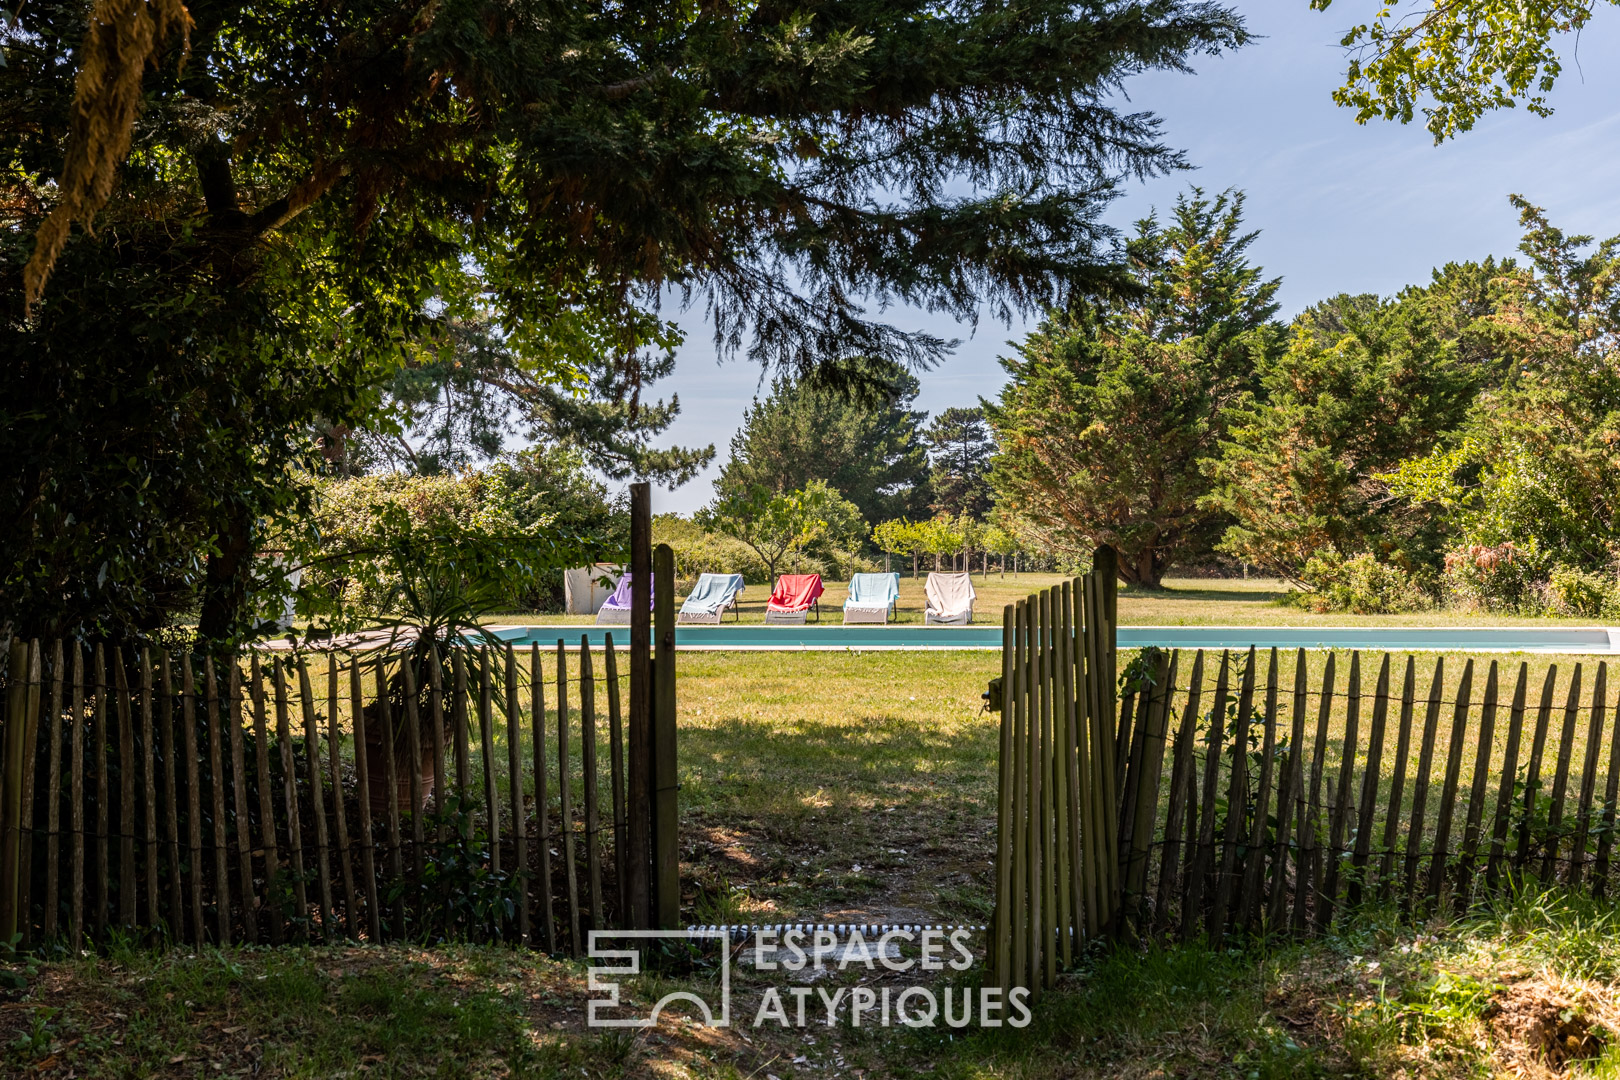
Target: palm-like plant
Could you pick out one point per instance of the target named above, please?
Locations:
(413, 589)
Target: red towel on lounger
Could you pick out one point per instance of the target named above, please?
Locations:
(795, 592)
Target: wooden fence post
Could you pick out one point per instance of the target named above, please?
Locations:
(1203, 845)
(666, 808)
(1236, 804)
(638, 882)
(1369, 785)
(1001, 930)
(1017, 700)
(11, 810)
(1403, 751)
(1288, 798)
(1254, 861)
(1181, 797)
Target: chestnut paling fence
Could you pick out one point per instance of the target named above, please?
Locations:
(1258, 792)
(1227, 792)
(1425, 783)
(520, 794)
(275, 797)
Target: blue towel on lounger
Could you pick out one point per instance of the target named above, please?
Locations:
(711, 593)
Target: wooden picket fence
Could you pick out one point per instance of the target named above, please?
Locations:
(184, 798)
(1058, 871)
(1208, 795)
(1268, 822)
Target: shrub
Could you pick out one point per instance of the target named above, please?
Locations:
(1495, 577)
(1361, 585)
(1583, 593)
(700, 552)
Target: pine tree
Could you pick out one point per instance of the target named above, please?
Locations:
(960, 446)
(866, 445)
(315, 188)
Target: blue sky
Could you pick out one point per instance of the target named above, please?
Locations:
(1340, 207)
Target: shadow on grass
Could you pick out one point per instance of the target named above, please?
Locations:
(1205, 595)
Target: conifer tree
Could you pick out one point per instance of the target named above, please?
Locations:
(865, 444)
(960, 446)
(1113, 407)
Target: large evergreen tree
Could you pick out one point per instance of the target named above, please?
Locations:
(287, 197)
(1363, 384)
(864, 442)
(1113, 407)
(459, 397)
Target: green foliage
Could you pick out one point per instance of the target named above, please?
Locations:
(1441, 1013)
(436, 553)
(698, 552)
(147, 437)
(865, 442)
(464, 389)
(778, 527)
(476, 897)
(1361, 585)
(1583, 593)
(1536, 462)
(899, 536)
(1112, 409)
(1457, 60)
(1501, 577)
(1362, 384)
(998, 541)
(896, 536)
(938, 536)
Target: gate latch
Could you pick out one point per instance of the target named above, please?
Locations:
(992, 695)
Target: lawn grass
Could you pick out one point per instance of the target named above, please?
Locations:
(1182, 602)
(1526, 990)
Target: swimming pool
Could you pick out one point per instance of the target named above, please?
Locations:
(862, 638)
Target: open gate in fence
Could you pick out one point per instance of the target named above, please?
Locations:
(1224, 793)
(1057, 858)
(272, 795)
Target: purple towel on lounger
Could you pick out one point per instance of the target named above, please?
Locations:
(621, 595)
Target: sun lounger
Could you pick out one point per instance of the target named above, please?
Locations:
(711, 598)
(616, 611)
(950, 599)
(792, 599)
(871, 598)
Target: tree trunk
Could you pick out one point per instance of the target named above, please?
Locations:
(1145, 569)
(225, 582)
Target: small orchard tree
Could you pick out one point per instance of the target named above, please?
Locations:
(998, 541)
(904, 537)
(972, 532)
(780, 526)
(892, 537)
(939, 537)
